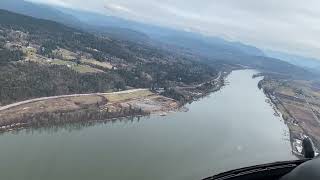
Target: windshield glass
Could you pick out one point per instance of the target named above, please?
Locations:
(117, 89)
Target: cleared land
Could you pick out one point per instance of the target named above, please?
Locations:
(66, 58)
(93, 62)
(299, 104)
(118, 104)
(77, 67)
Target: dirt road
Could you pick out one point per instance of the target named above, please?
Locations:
(63, 96)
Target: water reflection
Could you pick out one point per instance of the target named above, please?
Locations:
(76, 126)
(229, 129)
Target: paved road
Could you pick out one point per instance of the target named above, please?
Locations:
(62, 96)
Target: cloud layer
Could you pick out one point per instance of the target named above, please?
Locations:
(286, 25)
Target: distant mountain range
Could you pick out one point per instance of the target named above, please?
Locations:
(205, 45)
(210, 48)
(180, 38)
(295, 59)
(124, 28)
(38, 11)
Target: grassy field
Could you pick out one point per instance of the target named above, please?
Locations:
(66, 61)
(77, 67)
(69, 103)
(299, 106)
(65, 54)
(97, 63)
(85, 69)
(73, 108)
(126, 96)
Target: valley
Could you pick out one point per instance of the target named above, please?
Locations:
(56, 74)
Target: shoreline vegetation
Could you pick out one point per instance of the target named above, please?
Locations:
(294, 111)
(295, 137)
(107, 107)
(77, 108)
(95, 107)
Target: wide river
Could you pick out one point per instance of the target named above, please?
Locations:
(232, 128)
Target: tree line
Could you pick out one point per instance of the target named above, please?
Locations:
(21, 81)
(63, 117)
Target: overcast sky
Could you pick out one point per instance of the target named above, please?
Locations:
(286, 25)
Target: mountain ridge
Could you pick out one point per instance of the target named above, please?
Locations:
(131, 30)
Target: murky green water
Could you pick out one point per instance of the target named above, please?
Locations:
(231, 128)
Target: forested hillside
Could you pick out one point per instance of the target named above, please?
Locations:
(44, 58)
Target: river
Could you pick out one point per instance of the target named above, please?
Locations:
(231, 128)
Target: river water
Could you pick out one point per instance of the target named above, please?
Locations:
(229, 129)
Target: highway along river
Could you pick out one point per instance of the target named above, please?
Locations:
(232, 128)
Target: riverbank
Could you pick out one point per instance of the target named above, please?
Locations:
(294, 136)
(217, 134)
(86, 107)
(99, 106)
(189, 94)
(296, 112)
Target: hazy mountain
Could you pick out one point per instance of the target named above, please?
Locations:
(209, 45)
(129, 30)
(89, 21)
(96, 19)
(38, 11)
(295, 59)
(137, 65)
(193, 41)
(212, 48)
